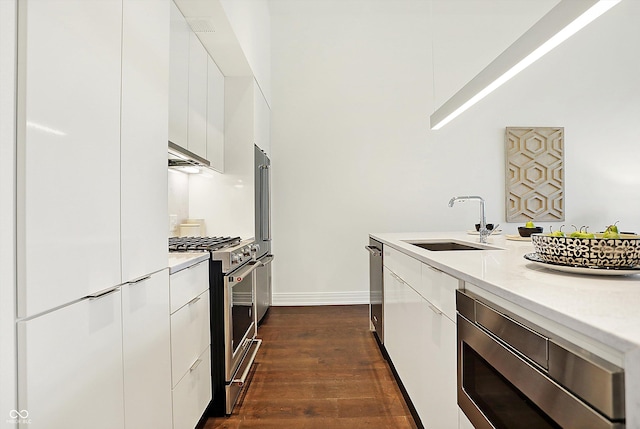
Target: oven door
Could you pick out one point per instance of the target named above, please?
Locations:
(498, 389)
(240, 316)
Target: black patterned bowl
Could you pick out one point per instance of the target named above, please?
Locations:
(526, 232)
(623, 252)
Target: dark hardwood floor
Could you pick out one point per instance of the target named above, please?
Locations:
(319, 367)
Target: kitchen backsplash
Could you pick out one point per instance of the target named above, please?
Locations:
(178, 200)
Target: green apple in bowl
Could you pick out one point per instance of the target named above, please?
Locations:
(528, 229)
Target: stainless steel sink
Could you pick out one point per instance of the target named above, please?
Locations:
(443, 246)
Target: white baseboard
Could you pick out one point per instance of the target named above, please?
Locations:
(319, 298)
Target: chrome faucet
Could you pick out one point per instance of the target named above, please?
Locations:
(484, 232)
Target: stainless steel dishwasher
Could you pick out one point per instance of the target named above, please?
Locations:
(376, 289)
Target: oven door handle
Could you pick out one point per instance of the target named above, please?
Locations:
(240, 381)
(246, 271)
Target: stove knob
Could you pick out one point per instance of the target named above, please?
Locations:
(255, 248)
(246, 251)
(235, 258)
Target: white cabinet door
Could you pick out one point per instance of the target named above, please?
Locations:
(147, 352)
(68, 150)
(438, 402)
(70, 366)
(420, 338)
(215, 116)
(189, 336)
(440, 290)
(392, 315)
(192, 395)
(188, 283)
(404, 317)
(178, 77)
(145, 101)
(197, 131)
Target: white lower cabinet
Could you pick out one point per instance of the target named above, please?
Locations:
(70, 366)
(190, 345)
(146, 340)
(187, 284)
(420, 336)
(189, 335)
(438, 407)
(100, 362)
(193, 393)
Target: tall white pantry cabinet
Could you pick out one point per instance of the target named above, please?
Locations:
(93, 288)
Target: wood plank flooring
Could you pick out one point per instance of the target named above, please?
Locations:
(318, 367)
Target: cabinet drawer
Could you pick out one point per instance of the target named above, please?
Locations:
(192, 395)
(406, 267)
(189, 335)
(439, 289)
(185, 285)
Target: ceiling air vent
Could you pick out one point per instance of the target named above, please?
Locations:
(201, 25)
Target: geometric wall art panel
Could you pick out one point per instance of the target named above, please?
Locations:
(534, 174)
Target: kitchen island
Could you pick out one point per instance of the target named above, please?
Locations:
(598, 313)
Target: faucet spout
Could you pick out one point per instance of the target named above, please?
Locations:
(484, 232)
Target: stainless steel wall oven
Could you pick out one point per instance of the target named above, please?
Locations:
(512, 374)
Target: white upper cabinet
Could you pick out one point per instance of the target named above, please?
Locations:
(179, 77)
(145, 101)
(68, 151)
(196, 95)
(197, 119)
(215, 116)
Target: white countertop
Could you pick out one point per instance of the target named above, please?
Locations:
(181, 260)
(605, 308)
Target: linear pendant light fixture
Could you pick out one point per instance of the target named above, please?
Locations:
(560, 23)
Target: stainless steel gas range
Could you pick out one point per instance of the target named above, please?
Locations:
(232, 293)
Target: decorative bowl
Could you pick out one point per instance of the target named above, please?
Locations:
(623, 252)
(489, 227)
(526, 232)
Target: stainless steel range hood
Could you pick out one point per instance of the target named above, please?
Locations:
(183, 159)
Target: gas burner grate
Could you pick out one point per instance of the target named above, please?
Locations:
(186, 244)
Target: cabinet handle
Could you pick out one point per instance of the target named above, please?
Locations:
(194, 300)
(397, 277)
(103, 293)
(195, 365)
(436, 310)
(140, 280)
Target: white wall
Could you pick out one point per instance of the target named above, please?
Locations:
(353, 89)
(588, 85)
(352, 153)
(251, 24)
(7, 210)
(469, 34)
